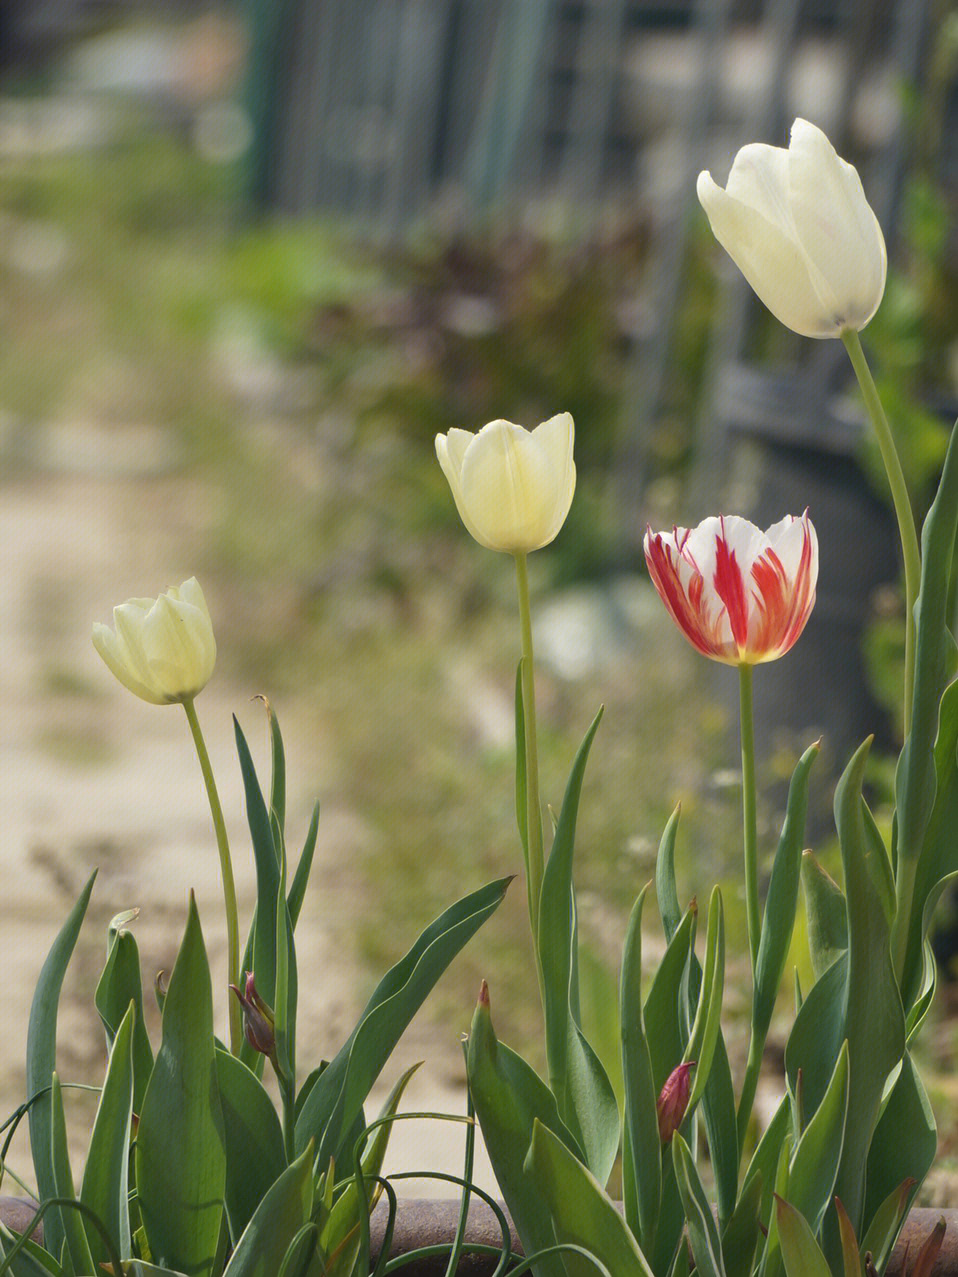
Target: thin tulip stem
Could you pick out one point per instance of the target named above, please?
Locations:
(533, 831)
(226, 871)
(749, 810)
(899, 492)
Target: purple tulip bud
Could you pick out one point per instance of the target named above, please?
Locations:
(673, 1101)
(257, 1018)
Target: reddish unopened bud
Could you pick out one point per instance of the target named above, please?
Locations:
(673, 1101)
(257, 1018)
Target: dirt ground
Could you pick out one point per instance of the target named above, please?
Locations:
(91, 777)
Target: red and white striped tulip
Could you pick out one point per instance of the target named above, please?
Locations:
(738, 594)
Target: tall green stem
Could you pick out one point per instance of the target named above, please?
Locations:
(899, 493)
(226, 871)
(749, 817)
(533, 830)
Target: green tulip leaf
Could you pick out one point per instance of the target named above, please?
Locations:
(801, 1252)
(582, 1213)
(905, 1141)
(703, 1231)
(580, 1084)
(286, 991)
(705, 1027)
(297, 891)
(817, 1034)
(666, 1005)
(30, 1260)
(277, 781)
(253, 1135)
(119, 985)
(342, 1225)
(509, 1097)
(851, 1255)
(782, 899)
(278, 1220)
(666, 892)
(826, 913)
(338, 1094)
(886, 1222)
(77, 1258)
(641, 1159)
(180, 1153)
(106, 1185)
(814, 1165)
(741, 1233)
(874, 1020)
(41, 1060)
(766, 1157)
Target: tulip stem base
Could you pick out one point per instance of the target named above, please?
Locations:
(749, 810)
(903, 511)
(226, 870)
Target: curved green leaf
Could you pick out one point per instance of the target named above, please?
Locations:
(76, 1255)
(278, 1220)
(106, 1174)
(119, 985)
(801, 1252)
(581, 1212)
(509, 1097)
(253, 1136)
(703, 1231)
(782, 900)
(705, 1027)
(297, 891)
(338, 1094)
(741, 1233)
(41, 1059)
(663, 1009)
(817, 1035)
(905, 1141)
(814, 1165)
(641, 1146)
(766, 1157)
(826, 913)
(180, 1154)
(665, 890)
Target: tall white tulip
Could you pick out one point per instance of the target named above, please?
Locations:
(512, 487)
(798, 226)
(162, 649)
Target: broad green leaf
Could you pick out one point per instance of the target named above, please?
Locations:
(905, 1141)
(878, 864)
(302, 1253)
(180, 1154)
(926, 992)
(339, 1092)
(939, 856)
(826, 913)
(817, 1034)
(915, 781)
(782, 899)
(285, 993)
(77, 1249)
(703, 1231)
(277, 1221)
(31, 1260)
(741, 1233)
(766, 1157)
(581, 1211)
(508, 1097)
(580, 1084)
(705, 1027)
(253, 1135)
(41, 1059)
(120, 985)
(344, 1217)
(886, 1222)
(277, 784)
(801, 1252)
(874, 1021)
(815, 1162)
(721, 1129)
(106, 1174)
(641, 1147)
(665, 890)
(663, 1014)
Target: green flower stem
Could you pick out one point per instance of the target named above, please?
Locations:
(226, 870)
(749, 817)
(533, 831)
(899, 492)
(753, 1067)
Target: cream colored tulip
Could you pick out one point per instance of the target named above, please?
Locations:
(798, 226)
(512, 487)
(162, 649)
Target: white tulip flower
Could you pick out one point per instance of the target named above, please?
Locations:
(512, 487)
(798, 226)
(162, 649)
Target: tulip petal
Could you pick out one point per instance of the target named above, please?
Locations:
(508, 484)
(113, 654)
(451, 449)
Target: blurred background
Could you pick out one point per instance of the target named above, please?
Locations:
(253, 257)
